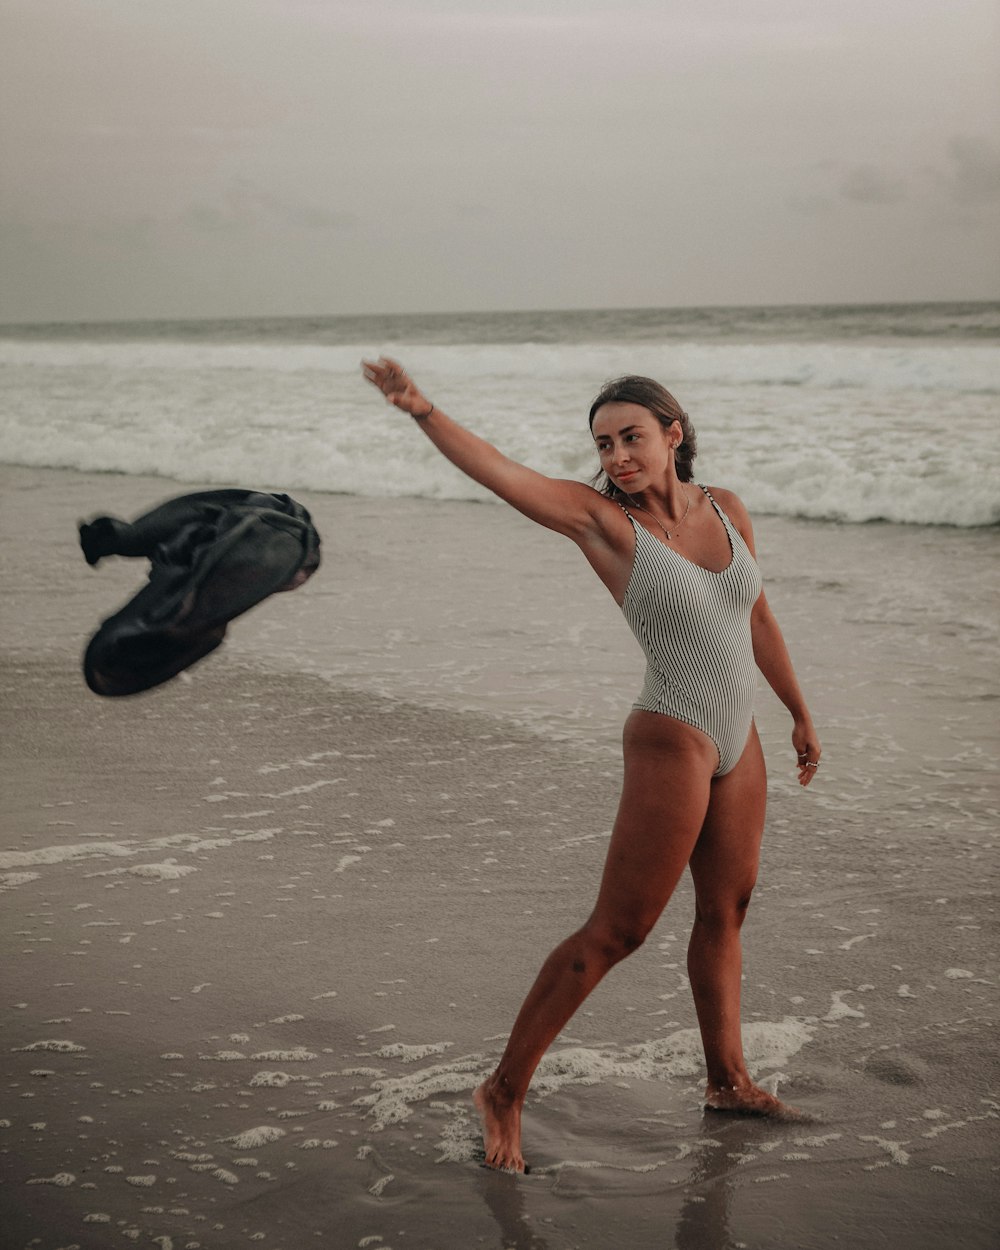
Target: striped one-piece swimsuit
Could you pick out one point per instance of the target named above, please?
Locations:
(694, 626)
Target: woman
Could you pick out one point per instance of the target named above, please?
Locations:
(679, 560)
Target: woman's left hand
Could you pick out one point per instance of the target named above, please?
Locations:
(807, 750)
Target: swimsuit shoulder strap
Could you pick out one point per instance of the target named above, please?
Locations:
(627, 513)
(712, 500)
(736, 539)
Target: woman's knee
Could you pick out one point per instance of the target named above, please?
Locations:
(723, 911)
(609, 942)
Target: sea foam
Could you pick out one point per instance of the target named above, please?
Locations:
(849, 431)
(949, 367)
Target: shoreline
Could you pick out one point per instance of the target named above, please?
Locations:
(302, 905)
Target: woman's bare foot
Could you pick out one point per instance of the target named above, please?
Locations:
(749, 1099)
(501, 1119)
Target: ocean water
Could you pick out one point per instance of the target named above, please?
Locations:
(836, 413)
(300, 920)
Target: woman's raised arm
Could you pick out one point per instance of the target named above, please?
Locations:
(570, 508)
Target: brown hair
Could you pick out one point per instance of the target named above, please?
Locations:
(656, 399)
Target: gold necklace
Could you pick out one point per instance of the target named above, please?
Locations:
(660, 523)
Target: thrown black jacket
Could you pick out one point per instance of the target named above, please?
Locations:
(213, 555)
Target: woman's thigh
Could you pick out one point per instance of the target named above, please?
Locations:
(725, 858)
(665, 795)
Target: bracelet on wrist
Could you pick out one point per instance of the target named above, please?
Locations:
(422, 416)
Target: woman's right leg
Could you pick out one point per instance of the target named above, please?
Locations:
(665, 795)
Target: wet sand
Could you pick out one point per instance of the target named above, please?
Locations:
(266, 927)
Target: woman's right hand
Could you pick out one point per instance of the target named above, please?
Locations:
(396, 385)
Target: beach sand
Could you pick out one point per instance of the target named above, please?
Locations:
(266, 927)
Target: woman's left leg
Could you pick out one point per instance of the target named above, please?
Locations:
(724, 869)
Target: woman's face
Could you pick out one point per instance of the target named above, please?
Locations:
(634, 446)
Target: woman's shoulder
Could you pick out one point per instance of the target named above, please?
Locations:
(585, 512)
(735, 509)
(584, 495)
(728, 501)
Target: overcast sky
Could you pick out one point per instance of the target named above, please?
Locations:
(168, 158)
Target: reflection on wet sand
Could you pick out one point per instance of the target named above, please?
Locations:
(506, 1196)
(727, 1144)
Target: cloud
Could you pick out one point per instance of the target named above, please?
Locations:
(972, 174)
(809, 203)
(967, 174)
(245, 204)
(870, 184)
